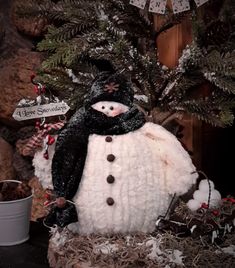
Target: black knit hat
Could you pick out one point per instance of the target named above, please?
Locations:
(110, 87)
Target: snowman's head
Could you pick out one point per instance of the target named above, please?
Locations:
(111, 94)
(110, 108)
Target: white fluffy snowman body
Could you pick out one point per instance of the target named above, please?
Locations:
(129, 180)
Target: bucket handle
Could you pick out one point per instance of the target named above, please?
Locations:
(19, 182)
(11, 181)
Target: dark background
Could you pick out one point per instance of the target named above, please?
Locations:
(31, 254)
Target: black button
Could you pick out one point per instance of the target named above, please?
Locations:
(108, 139)
(110, 201)
(110, 157)
(110, 179)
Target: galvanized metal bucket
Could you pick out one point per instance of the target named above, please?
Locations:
(14, 220)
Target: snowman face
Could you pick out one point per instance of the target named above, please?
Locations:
(110, 108)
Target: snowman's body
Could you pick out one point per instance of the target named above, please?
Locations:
(120, 172)
(148, 167)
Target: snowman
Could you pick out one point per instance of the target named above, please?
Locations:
(206, 195)
(112, 171)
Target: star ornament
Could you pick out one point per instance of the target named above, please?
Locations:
(111, 87)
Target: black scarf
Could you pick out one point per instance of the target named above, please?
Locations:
(71, 150)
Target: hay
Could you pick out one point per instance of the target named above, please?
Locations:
(139, 250)
(183, 240)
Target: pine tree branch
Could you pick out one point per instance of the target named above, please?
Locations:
(71, 30)
(202, 110)
(86, 37)
(227, 84)
(221, 65)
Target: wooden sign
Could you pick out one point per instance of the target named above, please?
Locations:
(40, 111)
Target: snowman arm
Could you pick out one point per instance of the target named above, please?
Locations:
(177, 168)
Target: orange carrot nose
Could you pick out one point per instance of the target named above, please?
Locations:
(116, 112)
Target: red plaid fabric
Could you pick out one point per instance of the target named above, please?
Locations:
(36, 142)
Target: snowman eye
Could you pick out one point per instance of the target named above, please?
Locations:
(102, 107)
(111, 108)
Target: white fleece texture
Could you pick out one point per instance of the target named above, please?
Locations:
(202, 195)
(150, 166)
(42, 166)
